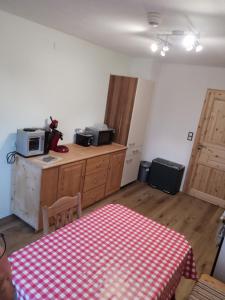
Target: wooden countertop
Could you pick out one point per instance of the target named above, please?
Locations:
(76, 153)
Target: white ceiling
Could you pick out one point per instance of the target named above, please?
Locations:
(122, 25)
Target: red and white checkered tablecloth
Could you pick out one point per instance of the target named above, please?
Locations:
(112, 253)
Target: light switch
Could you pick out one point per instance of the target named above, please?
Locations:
(190, 136)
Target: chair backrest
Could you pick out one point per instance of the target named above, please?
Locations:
(7, 290)
(61, 212)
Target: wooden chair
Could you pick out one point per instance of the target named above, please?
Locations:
(208, 287)
(61, 212)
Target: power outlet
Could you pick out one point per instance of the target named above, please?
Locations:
(190, 136)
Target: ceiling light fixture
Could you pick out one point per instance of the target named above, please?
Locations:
(162, 41)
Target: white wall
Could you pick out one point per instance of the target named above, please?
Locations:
(177, 103)
(145, 68)
(44, 72)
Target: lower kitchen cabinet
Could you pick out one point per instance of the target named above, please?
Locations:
(94, 172)
(115, 172)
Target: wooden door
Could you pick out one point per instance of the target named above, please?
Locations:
(206, 174)
(71, 179)
(119, 106)
(115, 172)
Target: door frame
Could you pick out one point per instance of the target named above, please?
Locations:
(195, 153)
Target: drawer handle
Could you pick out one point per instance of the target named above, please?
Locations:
(131, 144)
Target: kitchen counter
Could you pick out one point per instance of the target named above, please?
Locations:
(76, 153)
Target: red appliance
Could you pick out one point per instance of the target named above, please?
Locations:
(54, 137)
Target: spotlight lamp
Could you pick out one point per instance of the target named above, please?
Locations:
(166, 48)
(154, 47)
(189, 41)
(199, 48)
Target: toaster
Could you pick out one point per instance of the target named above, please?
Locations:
(84, 139)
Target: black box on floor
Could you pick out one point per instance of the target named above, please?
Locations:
(166, 175)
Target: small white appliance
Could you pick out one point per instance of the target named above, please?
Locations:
(30, 142)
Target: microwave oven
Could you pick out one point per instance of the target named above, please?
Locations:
(31, 142)
(101, 136)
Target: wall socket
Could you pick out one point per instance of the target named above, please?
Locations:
(190, 136)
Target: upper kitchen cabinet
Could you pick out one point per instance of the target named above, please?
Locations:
(127, 111)
(120, 101)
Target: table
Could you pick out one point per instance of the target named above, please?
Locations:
(111, 253)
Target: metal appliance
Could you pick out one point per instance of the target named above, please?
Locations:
(84, 139)
(31, 142)
(102, 134)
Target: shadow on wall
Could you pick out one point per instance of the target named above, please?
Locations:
(5, 174)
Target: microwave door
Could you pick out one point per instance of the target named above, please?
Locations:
(34, 144)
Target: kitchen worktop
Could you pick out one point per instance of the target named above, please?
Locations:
(76, 153)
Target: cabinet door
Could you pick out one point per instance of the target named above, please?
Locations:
(71, 179)
(115, 172)
(119, 106)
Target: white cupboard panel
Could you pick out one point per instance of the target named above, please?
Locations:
(134, 151)
(140, 113)
(131, 167)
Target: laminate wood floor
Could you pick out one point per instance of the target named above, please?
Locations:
(194, 218)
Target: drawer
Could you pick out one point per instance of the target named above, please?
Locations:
(97, 163)
(93, 196)
(95, 179)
